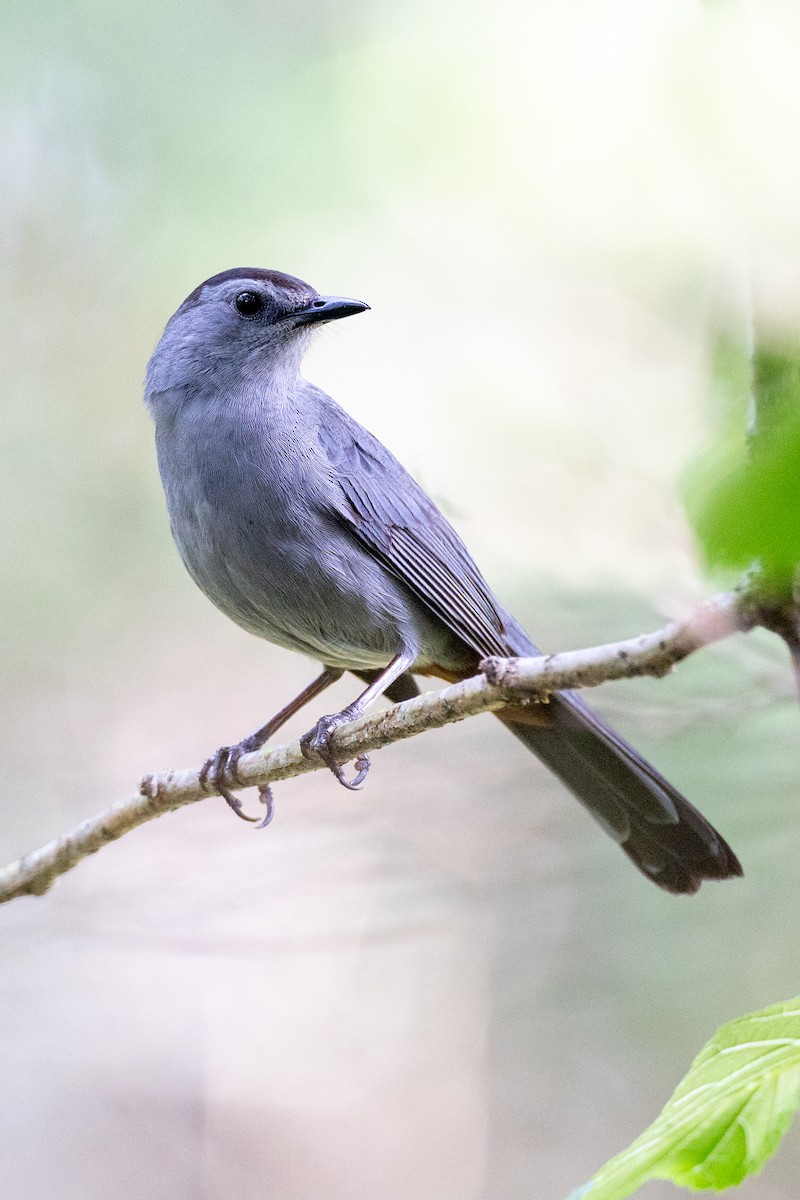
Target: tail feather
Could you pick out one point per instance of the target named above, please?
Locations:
(660, 831)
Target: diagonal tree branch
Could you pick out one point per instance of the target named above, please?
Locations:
(517, 680)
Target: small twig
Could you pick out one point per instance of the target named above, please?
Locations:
(501, 680)
(781, 615)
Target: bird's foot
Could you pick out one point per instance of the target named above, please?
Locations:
(220, 772)
(266, 797)
(318, 742)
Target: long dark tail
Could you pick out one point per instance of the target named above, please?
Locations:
(661, 832)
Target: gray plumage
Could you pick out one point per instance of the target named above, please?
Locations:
(304, 529)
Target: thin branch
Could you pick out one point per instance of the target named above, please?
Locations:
(517, 680)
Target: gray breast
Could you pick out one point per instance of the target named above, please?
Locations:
(251, 529)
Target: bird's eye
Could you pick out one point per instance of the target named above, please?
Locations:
(249, 303)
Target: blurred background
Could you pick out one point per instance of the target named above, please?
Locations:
(450, 984)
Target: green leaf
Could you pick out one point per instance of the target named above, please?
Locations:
(725, 1119)
(743, 497)
(751, 512)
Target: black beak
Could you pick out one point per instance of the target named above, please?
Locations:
(328, 308)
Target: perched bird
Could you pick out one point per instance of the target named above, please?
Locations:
(305, 530)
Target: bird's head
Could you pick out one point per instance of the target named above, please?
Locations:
(239, 324)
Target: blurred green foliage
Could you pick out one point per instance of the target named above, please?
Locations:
(743, 496)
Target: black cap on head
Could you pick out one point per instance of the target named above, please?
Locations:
(288, 283)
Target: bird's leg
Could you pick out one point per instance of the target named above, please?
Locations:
(318, 740)
(220, 769)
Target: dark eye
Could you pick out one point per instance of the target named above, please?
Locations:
(249, 303)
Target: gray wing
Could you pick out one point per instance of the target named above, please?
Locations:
(392, 517)
(667, 839)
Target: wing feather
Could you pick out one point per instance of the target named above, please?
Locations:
(404, 529)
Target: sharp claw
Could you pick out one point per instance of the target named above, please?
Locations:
(318, 742)
(362, 765)
(234, 803)
(266, 797)
(212, 777)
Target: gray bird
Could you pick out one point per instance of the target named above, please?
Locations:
(305, 530)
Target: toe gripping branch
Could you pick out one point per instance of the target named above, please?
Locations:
(318, 740)
(223, 766)
(220, 772)
(317, 743)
